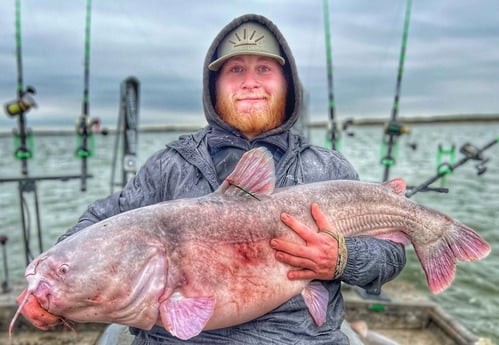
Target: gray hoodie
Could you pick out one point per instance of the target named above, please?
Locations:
(198, 162)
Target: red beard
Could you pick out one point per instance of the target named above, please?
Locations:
(252, 119)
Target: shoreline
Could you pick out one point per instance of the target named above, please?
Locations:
(183, 128)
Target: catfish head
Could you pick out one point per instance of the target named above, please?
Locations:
(96, 276)
(35, 299)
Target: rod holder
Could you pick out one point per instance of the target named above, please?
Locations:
(5, 284)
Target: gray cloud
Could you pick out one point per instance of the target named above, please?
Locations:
(451, 65)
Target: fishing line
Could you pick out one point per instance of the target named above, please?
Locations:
(244, 190)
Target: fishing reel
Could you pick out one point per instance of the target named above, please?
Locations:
(396, 129)
(347, 123)
(22, 104)
(473, 153)
(23, 138)
(85, 128)
(87, 124)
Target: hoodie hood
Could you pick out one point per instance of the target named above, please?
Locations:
(294, 94)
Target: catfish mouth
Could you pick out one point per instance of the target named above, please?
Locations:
(37, 300)
(35, 313)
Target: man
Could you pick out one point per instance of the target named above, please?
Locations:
(252, 97)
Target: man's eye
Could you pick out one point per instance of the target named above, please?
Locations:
(236, 69)
(264, 68)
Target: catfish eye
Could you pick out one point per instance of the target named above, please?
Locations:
(62, 270)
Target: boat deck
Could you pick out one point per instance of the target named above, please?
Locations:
(404, 316)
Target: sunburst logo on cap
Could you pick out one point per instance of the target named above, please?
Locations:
(246, 41)
(248, 38)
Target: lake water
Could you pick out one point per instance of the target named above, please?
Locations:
(473, 298)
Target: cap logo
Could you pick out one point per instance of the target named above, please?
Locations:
(246, 41)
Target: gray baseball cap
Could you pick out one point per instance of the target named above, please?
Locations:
(248, 38)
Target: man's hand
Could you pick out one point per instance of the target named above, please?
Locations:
(318, 257)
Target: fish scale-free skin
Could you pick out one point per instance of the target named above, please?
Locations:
(207, 261)
(194, 236)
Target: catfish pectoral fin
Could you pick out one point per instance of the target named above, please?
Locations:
(185, 317)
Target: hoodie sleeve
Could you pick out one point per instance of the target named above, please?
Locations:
(372, 262)
(143, 189)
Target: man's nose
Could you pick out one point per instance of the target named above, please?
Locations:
(250, 80)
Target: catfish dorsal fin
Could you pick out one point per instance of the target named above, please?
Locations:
(397, 185)
(253, 176)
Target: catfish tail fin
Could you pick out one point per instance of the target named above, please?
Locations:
(438, 259)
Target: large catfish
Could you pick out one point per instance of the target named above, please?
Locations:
(206, 263)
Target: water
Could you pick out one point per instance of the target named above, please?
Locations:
(474, 200)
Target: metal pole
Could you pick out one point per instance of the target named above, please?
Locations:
(27, 251)
(5, 284)
(130, 129)
(119, 129)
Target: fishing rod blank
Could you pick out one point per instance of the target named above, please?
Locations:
(83, 126)
(332, 130)
(394, 129)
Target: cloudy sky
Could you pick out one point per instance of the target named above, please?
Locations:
(452, 58)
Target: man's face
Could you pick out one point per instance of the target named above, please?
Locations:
(251, 94)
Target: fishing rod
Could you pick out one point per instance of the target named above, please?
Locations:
(470, 152)
(23, 139)
(333, 134)
(24, 150)
(84, 124)
(394, 128)
(23, 103)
